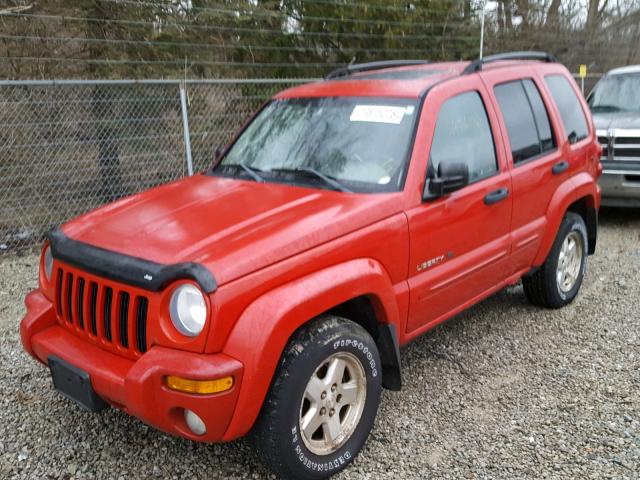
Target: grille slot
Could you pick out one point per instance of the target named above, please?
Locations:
(124, 319)
(69, 297)
(93, 307)
(141, 323)
(106, 312)
(80, 302)
(59, 293)
(628, 140)
(627, 152)
(115, 317)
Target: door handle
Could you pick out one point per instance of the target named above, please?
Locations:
(496, 196)
(560, 167)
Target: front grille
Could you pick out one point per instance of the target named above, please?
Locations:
(115, 317)
(624, 148)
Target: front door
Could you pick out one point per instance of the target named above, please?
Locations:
(459, 243)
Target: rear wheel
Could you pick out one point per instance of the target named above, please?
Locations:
(558, 280)
(323, 400)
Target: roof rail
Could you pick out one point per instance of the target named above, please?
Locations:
(476, 65)
(364, 67)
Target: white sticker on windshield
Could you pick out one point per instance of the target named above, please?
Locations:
(377, 114)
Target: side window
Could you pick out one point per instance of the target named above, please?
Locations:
(547, 142)
(517, 113)
(526, 118)
(463, 135)
(571, 112)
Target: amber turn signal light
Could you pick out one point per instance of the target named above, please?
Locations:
(200, 387)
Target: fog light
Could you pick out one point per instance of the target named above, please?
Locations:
(201, 387)
(194, 422)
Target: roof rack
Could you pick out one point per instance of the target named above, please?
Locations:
(364, 67)
(476, 65)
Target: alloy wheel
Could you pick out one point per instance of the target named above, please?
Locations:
(569, 262)
(332, 404)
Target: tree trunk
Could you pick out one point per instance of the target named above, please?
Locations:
(552, 14)
(508, 15)
(523, 11)
(467, 9)
(593, 15)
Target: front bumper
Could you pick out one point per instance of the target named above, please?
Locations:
(620, 188)
(137, 387)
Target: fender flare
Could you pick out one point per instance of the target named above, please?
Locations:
(574, 188)
(264, 328)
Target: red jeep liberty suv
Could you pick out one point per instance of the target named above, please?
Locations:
(271, 293)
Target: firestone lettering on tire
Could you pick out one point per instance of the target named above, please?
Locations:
(360, 346)
(317, 466)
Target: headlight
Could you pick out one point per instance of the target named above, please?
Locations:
(188, 310)
(48, 263)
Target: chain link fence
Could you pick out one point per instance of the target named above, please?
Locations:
(67, 147)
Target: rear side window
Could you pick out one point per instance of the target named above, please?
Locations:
(526, 119)
(571, 112)
(463, 135)
(547, 142)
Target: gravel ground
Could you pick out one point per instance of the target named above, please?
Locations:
(503, 391)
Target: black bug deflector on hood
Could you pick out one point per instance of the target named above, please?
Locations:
(127, 269)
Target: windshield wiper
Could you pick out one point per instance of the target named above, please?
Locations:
(315, 173)
(250, 170)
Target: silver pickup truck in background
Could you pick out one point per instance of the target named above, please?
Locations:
(615, 105)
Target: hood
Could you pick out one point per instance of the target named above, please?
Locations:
(617, 120)
(233, 227)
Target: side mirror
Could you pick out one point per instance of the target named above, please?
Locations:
(451, 177)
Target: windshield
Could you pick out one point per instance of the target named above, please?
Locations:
(346, 143)
(616, 93)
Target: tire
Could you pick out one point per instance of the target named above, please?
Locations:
(546, 287)
(304, 371)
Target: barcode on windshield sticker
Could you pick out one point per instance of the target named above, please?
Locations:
(377, 114)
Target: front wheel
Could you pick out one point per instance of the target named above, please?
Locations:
(322, 402)
(558, 280)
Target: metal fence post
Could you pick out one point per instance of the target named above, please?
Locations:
(185, 128)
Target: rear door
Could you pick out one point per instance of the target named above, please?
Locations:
(576, 127)
(459, 243)
(537, 165)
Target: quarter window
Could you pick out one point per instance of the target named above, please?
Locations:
(547, 142)
(463, 135)
(575, 123)
(526, 119)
